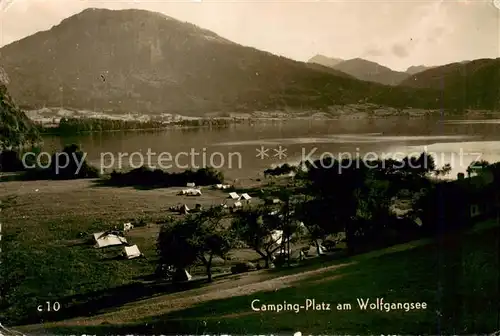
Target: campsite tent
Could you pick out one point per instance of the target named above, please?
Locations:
(237, 204)
(193, 192)
(312, 251)
(234, 195)
(103, 239)
(245, 197)
(276, 237)
(190, 192)
(222, 186)
(181, 275)
(184, 209)
(131, 252)
(127, 226)
(296, 255)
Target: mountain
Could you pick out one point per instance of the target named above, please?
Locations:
(15, 127)
(371, 71)
(472, 84)
(416, 69)
(325, 61)
(134, 60)
(125, 61)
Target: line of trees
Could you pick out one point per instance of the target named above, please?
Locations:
(82, 125)
(157, 178)
(211, 122)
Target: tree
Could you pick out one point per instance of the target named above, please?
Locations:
(445, 170)
(255, 227)
(476, 167)
(311, 214)
(198, 238)
(16, 129)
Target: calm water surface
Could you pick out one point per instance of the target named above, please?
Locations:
(235, 149)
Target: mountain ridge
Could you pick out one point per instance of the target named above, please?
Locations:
(474, 83)
(362, 69)
(125, 61)
(136, 60)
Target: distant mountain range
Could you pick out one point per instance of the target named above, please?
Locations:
(367, 70)
(140, 61)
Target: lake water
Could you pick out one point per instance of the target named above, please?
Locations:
(236, 149)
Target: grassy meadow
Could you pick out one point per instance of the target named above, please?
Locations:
(42, 244)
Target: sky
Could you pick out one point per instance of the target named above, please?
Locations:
(394, 33)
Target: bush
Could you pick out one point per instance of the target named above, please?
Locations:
(10, 161)
(243, 268)
(146, 177)
(280, 170)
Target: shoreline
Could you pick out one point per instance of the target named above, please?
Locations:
(277, 116)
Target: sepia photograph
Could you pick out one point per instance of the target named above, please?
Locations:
(249, 167)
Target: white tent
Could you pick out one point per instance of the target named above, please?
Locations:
(184, 209)
(245, 196)
(194, 192)
(219, 186)
(276, 236)
(131, 252)
(103, 239)
(190, 185)
(127, 226)
(234, 195)
(190, 192)
(237, 204)
(314, 251)
(294, 255)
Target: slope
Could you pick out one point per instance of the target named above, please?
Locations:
(474, 84)
(141, 61)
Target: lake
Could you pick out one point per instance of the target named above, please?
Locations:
(243, 150)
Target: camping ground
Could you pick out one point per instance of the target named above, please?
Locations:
(41, 237)
(44, 244)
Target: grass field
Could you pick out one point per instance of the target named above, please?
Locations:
(40, 240)
(458, 277)
(461, 298)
